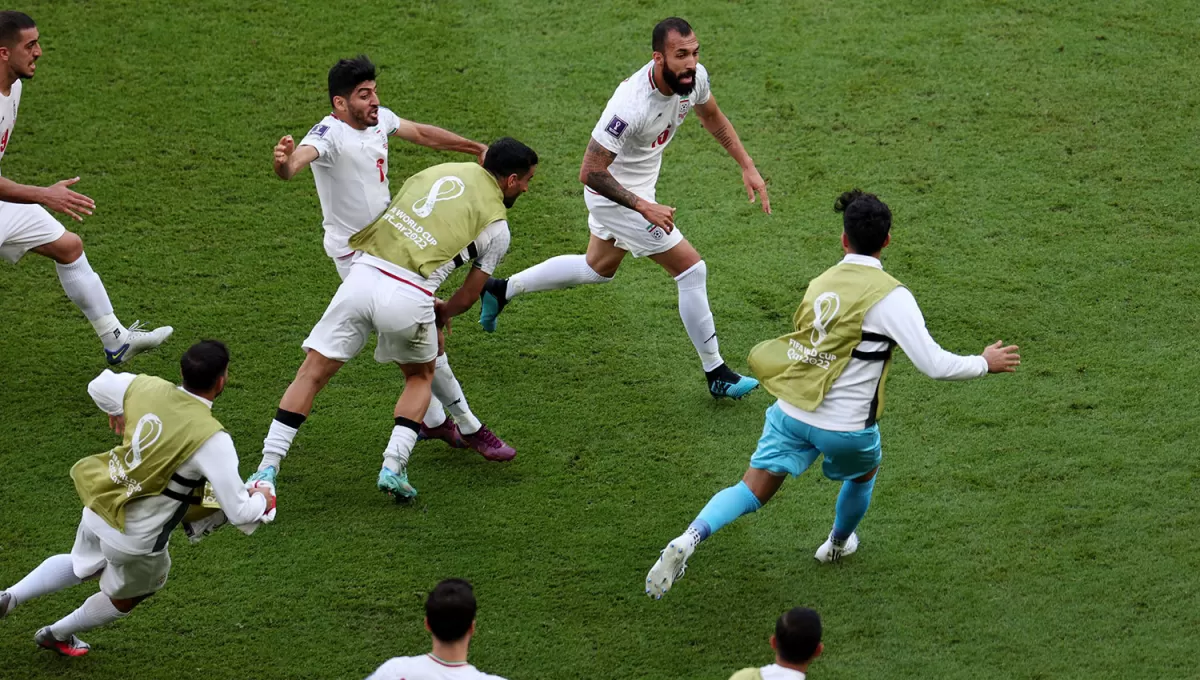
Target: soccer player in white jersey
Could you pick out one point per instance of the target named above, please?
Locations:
(136, 494)
(348, 152)
(450, 619)
(829, 378)
(26, 225)
(797, 643)
(620, 171)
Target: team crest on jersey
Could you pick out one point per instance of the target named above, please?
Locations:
(616, 126)
(684, 107)
(319, 130)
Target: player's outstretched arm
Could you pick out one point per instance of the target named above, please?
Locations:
(595, 175)
(714, 120)
(290, 160)
(57, 197)
(463, 298)
(435, 137)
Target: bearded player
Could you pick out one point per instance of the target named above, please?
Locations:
(620, 170)
(442, 218)
(348, 152)
(26, 225)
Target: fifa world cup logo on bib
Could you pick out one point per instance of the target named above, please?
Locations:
(149, 429)
(447, 188)
(825, 308)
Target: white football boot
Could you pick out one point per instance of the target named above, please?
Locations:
(6, 603)
(671, 564)
(137, 341)
(831, 551)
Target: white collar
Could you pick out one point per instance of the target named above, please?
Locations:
(777, 672)
(865, 260)
(197, 397)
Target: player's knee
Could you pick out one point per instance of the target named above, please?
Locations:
(316, 370)
(65, 250)
(127, 605)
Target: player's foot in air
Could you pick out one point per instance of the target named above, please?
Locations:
(671, 564)
(72, 646)
(724, 382)
(395, 484)
(266, 474)
(137, 341)
(491, 303)
(488, 445)
(6, 604)
(447, 432)
(833, 550)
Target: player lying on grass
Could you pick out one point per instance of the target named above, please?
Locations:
(828, 377)
(25, 225)
(136, 494)
(348, 153)
(442, 218)
(620, 172)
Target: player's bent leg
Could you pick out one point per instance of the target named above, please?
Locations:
(690, 272)
(473, 434)
(436, 424)
(55, 573)
(414, 400)
(852, 503)
(312, 377)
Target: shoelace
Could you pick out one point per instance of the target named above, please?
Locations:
(137, 327)
(488, 437)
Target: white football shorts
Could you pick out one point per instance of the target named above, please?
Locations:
(627, 228)
(24, 227)
(125, 576)
(399, 312)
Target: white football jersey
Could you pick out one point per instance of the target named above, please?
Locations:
(428, 667)
(638, 124)
(351, 176)
(8, 115)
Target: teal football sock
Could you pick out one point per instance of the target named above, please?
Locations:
(852, 503)
(726, 506)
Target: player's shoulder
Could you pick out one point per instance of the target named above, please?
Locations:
(327, 128)
(389, 121)
(394, 667)
(747, 673)
(633, 94)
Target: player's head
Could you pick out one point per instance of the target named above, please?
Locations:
(19, 46)
(513, 164)
(676, 53)
(352, 92)
(797, 639)
(866, 222)
(205, 368)
(450, 610)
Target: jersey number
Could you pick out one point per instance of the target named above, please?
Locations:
(4, 141)
(379, 164)
(662, 138)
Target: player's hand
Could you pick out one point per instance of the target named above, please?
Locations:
(441, 318)
(1001, 359)
(658, 215)
(482, 155)
(284, 149)
(117, 423)
(755, 184)
(59, 198)
(266, 491)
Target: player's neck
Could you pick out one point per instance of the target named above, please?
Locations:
(451, 652)
(660, 83)
(802, 667)
(7, 78)
(347, 120)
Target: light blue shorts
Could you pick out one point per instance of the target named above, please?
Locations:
(788, 446)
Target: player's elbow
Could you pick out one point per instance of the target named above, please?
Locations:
(584, 173)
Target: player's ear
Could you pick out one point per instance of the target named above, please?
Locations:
(339, 103)
(820, 648)
(846, 242)
(774, 643)
(886, 240)
(427, 625)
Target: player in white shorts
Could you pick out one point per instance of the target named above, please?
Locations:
(441, 218)
(26, 225)
(348, 153)
(450, 619)
(620, 171)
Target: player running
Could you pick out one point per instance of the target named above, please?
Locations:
(442, 218)
(828, 377)
(620, 171)
(26, 225)
(348, 152)
(137, 493)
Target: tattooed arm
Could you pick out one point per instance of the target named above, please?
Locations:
(595, 175)
(714, 120)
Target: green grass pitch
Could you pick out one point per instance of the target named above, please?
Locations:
(1040, 159)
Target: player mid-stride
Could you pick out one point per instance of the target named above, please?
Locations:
(26, 225)
(828, 377)
(620, 171)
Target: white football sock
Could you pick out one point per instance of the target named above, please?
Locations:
(447, 389)
(96, 611)
(276, 445)
(435, 415)
(51, 576)
(399, 448)
(696, 314)
(563, 271)
(83, 286)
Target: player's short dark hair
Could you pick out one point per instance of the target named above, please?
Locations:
(866, 219)
(11, 25)
(665, 28)
(347, 74)
(797, 634)
(450, 609)
(506, 156)
(203, 364)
